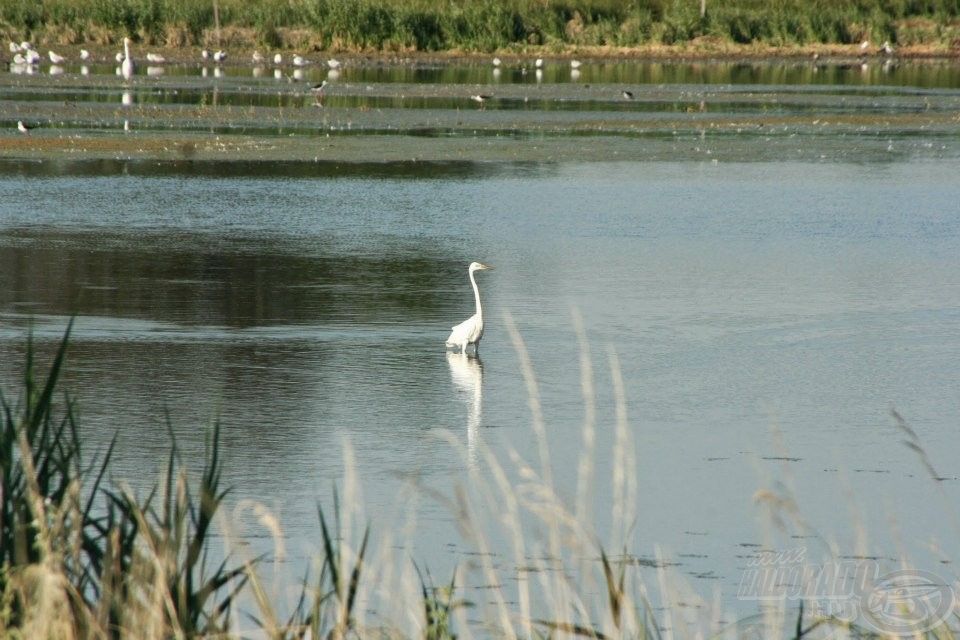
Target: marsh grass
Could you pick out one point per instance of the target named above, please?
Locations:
(485, 25)
(81, 559)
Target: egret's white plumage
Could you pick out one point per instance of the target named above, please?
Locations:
(156, 57)
(220, 56)
(278, 59)
(126, 67)
(84, 54)
(470, 331)
(55, 58)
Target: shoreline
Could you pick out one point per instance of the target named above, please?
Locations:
(240, 54)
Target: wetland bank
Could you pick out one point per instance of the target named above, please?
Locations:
(763, 257)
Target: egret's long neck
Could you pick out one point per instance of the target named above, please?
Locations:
(126, 49)
(476, 295)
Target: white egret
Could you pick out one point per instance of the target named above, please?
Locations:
(496, 62)
(33, 57)
(299, 61)
(55, 58)
(126, 67)
(539, 63)
(278, 59)
(220, 56)
(204, 54)
(575, 64)
(84, 54)
(470, 331)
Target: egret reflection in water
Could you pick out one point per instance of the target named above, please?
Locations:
(467, 375)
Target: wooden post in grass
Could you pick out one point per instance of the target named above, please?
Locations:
(703, 9)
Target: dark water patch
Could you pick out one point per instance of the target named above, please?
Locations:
(266, 169)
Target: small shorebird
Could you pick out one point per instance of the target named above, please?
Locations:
(317, 90)
(33, 57)
(119, 56)
(481, 98)
(84, 54)
(18, 59)
(24, 128)
(627, 95)
(55, 58)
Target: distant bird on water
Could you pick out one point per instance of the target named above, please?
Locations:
(496, 62)
(317, 90)
(205, 54)
(156, 57)
(481, 98)
(299, 61)
(470, 331)
(84, 54)
(539, 63)
(575, 64)
(257, 57)
(278, 59)
(864, 46)
(886, 48)
(220, 56)
(24, 128)
(627, 95)
(55, 58)
(333, 63)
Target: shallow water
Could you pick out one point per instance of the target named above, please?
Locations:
(766, 313)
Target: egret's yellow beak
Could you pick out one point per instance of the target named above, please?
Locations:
(486, 266)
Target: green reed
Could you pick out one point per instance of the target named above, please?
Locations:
(485, 25)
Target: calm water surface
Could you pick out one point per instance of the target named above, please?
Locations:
(766, 315)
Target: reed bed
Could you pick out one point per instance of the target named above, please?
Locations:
(81, 557)
(483, 25)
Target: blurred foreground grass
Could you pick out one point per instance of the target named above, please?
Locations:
(82, 556)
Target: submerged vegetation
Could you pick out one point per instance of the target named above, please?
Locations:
(84, 557)
(485, 25)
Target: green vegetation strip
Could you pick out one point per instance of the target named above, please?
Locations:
(485, 25)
